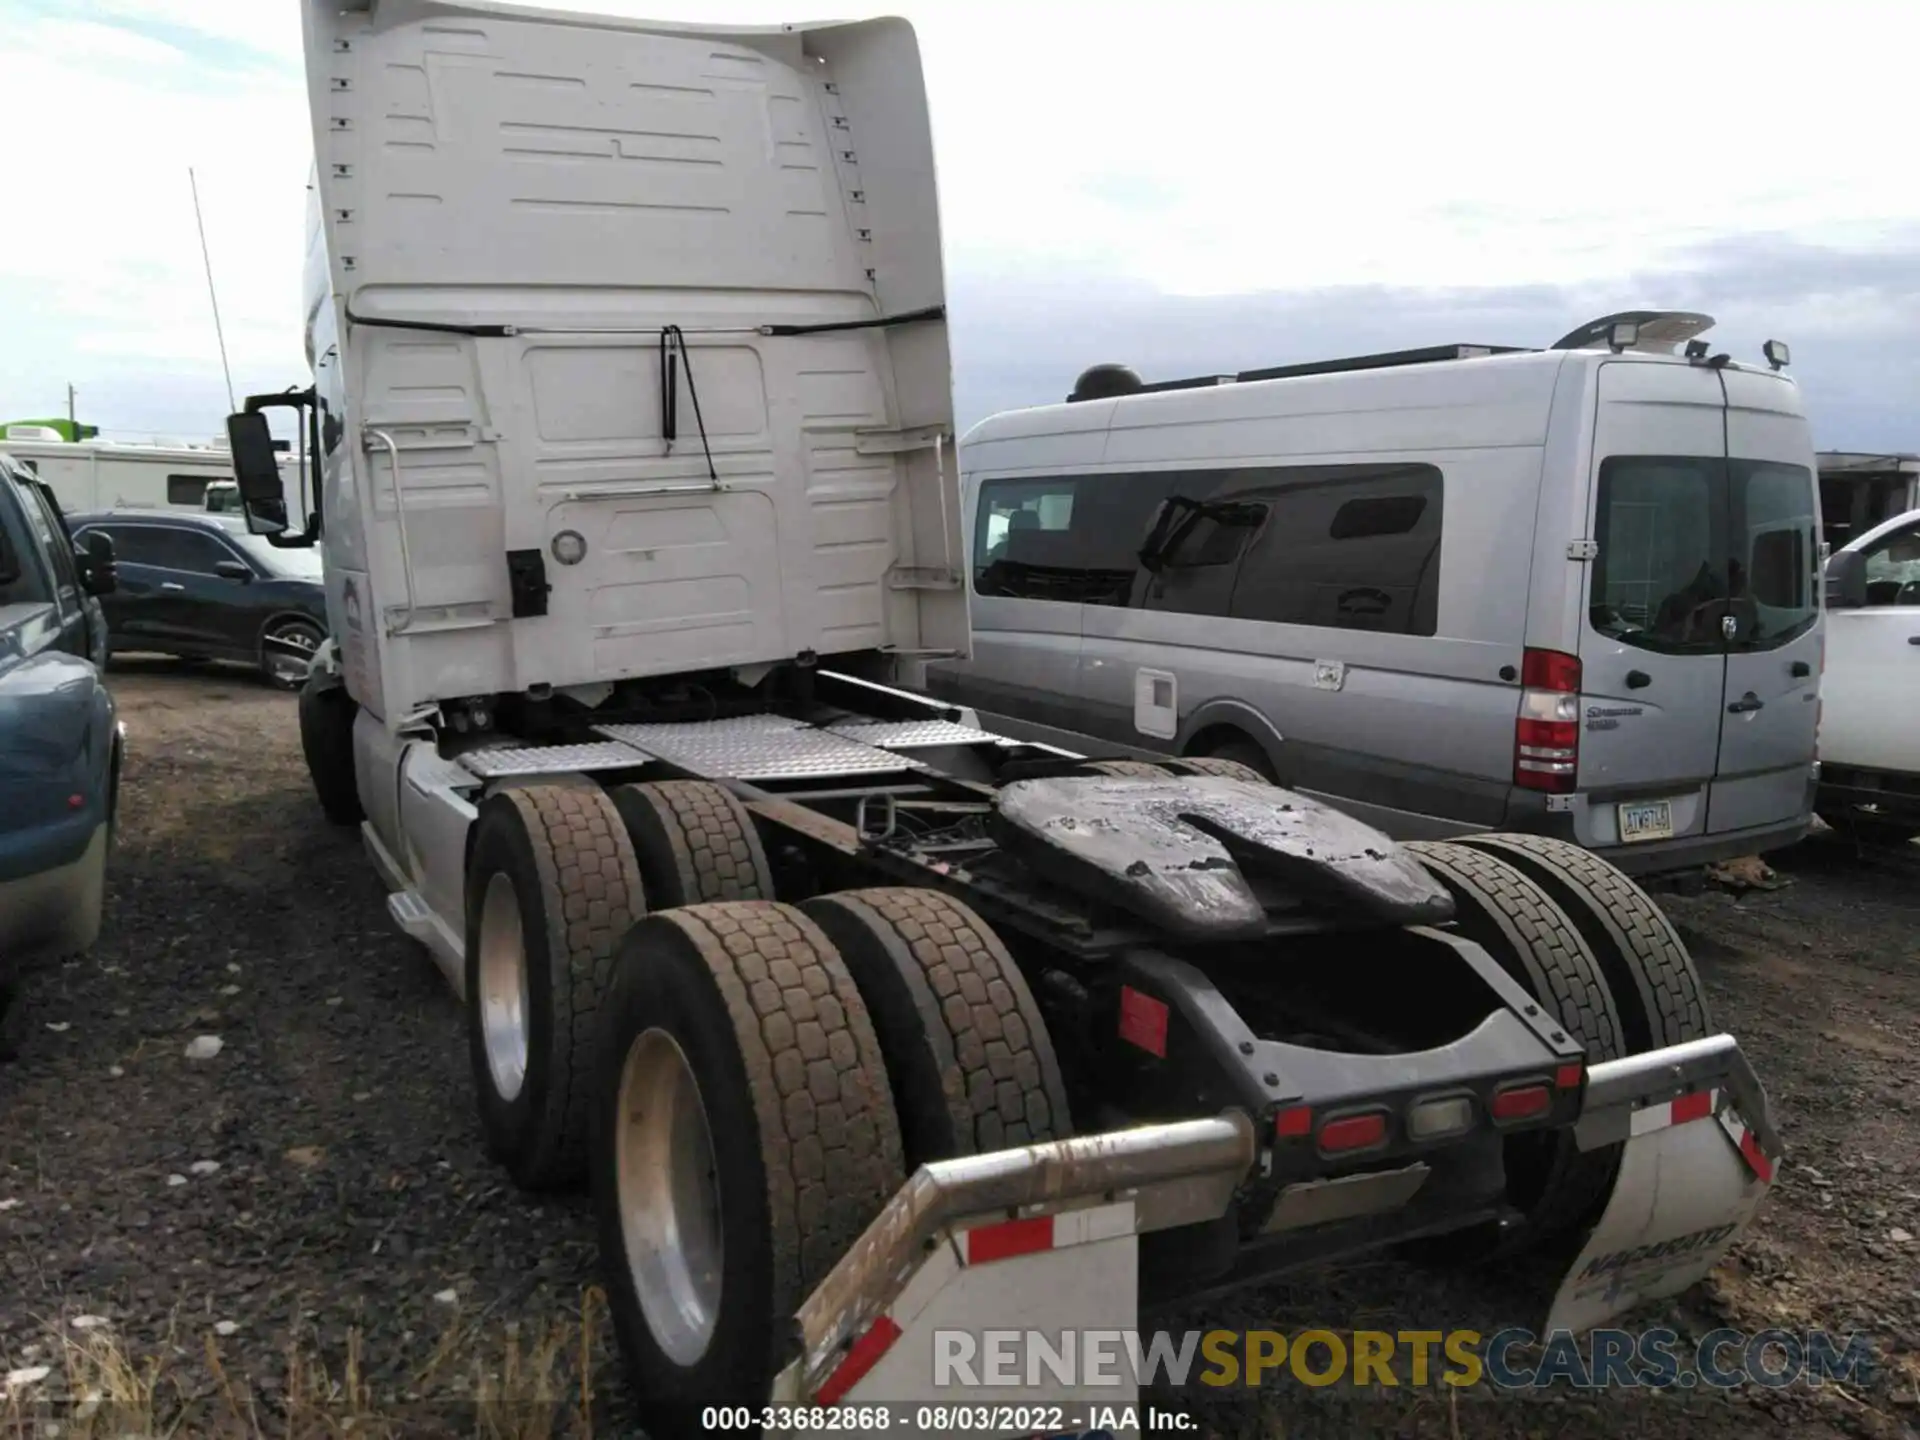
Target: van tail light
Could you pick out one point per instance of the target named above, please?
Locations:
(1546, 734)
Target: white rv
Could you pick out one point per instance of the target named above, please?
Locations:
(105, 475)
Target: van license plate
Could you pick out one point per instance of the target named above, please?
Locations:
(1646, 820)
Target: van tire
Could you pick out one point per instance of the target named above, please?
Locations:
(695, 843)
(804, 1146)
(327, 713)
(1217, 765)
(1659, 995)
(1498, 906)
(965, 1045)
(563, 857)
(1249, 754)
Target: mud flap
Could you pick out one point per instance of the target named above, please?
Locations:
(1037, 1243)
(1699, 1158)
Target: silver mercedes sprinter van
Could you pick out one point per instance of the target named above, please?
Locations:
(1574, 590)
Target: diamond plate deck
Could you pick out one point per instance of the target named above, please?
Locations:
(505, 761)
(911, 734)
(759, 747)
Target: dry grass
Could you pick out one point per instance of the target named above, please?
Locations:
(508, 1382)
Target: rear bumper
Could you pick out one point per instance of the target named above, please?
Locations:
(55, 911)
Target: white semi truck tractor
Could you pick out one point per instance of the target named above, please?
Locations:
(630, 446)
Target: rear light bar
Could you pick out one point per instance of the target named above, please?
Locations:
(1546, 733)
(1432, 1117)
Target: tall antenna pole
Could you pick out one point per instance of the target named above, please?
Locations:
(207, 258)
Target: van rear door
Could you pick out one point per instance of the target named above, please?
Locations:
(1773, 655)
(1653, 659)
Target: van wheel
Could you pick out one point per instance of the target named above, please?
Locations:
(1143, 769)
(551, 887)
(1498, 906)
(1245, 752)
(1219, 765)
(327, 714)
(744, 1138)
(695, 842)
(965, 1046)
(1659, 995)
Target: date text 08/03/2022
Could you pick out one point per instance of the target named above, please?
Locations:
(1052, 1421)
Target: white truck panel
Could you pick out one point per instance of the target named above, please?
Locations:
(554, 191)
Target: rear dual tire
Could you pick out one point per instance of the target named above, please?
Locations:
(552, 887)
(1595, 951)
(744, 1137)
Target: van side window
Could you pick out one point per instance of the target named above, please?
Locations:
(186, 490)
(1348, 547)
(1035, 540)
(1354, 547)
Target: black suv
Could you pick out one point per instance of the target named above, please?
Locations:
(200, 587)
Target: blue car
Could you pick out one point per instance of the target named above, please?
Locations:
(60, 741)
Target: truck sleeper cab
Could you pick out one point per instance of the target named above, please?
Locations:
(1572, 592)
(801, 970)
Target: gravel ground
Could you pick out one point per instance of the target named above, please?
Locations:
(307, 1216)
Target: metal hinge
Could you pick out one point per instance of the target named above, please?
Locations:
(923, 577)
(898, 442)
(1583, 549)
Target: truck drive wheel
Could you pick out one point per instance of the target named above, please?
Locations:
(964, 1044)
(1549, 1179)
(551, 888)
(694, 842)
(1220, 765)
(1128, 768)
(327, 713)
(1658, 994)
(744, 1137)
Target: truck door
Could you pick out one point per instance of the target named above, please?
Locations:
(1653, 658)
(1773, 651)
(1872, 681)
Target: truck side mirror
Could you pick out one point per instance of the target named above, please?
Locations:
(256, 467)
(98, 573)
(1846, 580)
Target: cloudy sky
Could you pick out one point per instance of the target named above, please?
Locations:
(1188, 188)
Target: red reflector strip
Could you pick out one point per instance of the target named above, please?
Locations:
(1292, 1124)
(1568, 1077)
(1008, 1239)
(1757, 1159)
(1143, 1021)
(1696, 1106)
(1356, 1132)
(864, 1355)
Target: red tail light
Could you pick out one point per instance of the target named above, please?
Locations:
(1354, 1132)
(1546, 734)
(1521, 1103)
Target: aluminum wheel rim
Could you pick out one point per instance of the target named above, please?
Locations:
(503, 986)
(669, 1197)
(291, 668)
